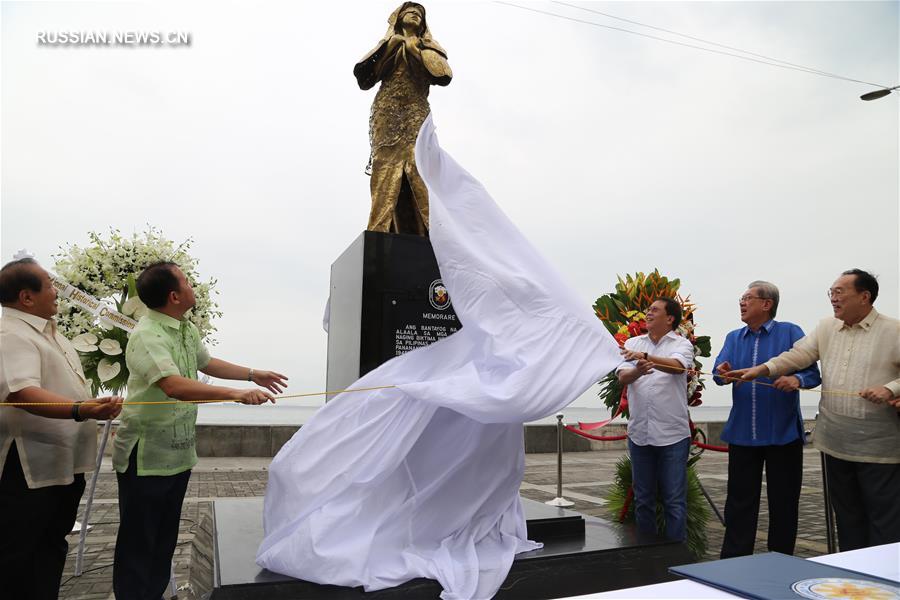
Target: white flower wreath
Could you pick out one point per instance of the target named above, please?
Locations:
(106, 268)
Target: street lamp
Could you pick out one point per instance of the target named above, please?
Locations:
(878, 93)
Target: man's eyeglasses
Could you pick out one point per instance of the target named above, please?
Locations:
(835, 293)
(748, 298)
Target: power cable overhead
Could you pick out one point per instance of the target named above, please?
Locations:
(696, 39)
(763, 59)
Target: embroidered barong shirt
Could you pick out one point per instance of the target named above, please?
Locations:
(34, 354)
(853, 358)
(165, 435)
(762, 415)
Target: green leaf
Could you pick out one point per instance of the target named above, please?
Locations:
(698, 512)
(704, 346)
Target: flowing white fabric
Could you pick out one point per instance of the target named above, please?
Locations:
(423, 480)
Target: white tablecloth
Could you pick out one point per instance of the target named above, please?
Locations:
(880, 561)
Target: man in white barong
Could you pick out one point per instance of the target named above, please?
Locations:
(48, 441)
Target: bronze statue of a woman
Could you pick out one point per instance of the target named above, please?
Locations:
(407, 61)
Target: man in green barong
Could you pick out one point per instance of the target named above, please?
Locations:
(155, 446)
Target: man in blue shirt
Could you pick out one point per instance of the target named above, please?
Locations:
(764, 427)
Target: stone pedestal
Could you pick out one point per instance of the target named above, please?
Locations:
(581, 554)
(387, 298)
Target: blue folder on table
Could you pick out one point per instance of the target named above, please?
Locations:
(775, 576)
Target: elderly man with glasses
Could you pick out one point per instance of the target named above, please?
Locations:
(858, 428)
(764, 427)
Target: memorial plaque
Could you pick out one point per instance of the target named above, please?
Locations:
(413, 326)
(387, 299)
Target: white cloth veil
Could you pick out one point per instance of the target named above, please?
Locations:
(422, 480)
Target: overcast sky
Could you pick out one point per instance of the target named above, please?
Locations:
(613, 153)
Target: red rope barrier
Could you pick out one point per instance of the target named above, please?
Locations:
(599, 438)
(616, 438)
(710, 447)
(599, 424)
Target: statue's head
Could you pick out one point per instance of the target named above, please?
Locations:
(411, 15)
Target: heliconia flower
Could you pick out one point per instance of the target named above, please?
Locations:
(107, 369)
(86, 342)
(110, 346)
(636, 328)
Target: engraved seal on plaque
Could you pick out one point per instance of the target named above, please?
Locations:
(438, 295)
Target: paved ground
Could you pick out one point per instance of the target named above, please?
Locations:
(586, 478)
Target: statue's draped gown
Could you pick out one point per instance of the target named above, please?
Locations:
(399, 197)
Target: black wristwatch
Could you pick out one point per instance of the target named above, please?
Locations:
(75, 412)
(646, 356)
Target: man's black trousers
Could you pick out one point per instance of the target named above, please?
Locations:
(33, 528)
(149, 514)
(784, 476)
(866, 501)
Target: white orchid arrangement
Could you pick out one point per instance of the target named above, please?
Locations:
(106, 269)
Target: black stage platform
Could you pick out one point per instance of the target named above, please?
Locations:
(581, 554)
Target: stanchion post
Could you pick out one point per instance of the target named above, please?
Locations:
(79, 557)
(559, 500)
(711, 503)
(829, 515)
(171, 589)
(830, 540)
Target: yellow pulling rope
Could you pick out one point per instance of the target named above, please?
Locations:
(387, 387)
(163, 402)
(757, 382)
